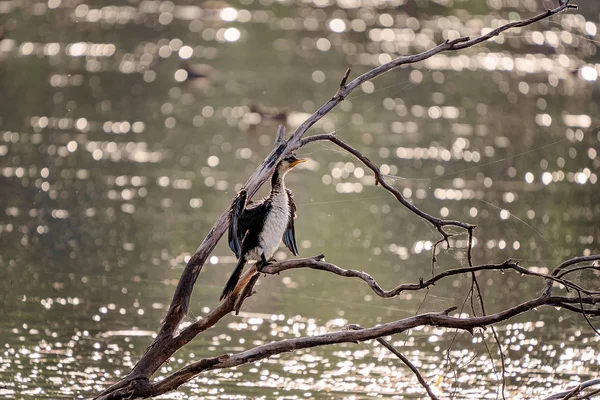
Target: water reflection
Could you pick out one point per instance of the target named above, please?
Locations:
(125, 130)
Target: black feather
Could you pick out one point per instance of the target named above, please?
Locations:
(289, 236)
(235, 216)
(234, 278)
(245, 222)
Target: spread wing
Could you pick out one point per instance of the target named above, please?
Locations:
(241, 219)
(289, 236)
(235, 235)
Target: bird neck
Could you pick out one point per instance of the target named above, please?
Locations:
(277, 183)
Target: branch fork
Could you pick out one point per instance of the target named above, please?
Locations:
(171, 337)
(339, 96)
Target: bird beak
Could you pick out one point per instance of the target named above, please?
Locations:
(298, 161)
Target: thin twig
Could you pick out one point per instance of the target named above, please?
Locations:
(498, 343)
(588, 311)
(470, 246)
(587, 396)
(439, 223)
(318, 263)
(406, 361)
(565, 264)
(576, 389)
(583, 385)
(482, 304)
(592, 267)
(344, 80)
(449, 45)
(451, 363)
(585, 315)
(433, 254)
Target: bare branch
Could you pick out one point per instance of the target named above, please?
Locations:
(174, 380)
(563, 5)
(585, 315)
(280, 138)
(587, 396)
(405, 360)
(456, 44)
(247, 291)
(582, 386)
(482, 305)
(318, 263)
(593, 267)
(564, 265)
(168, 341)
(578, 310)
(494, 333)
(379, 178)
(343, 82)
(409, 365)
(576, 389)
(433, 253)
(470, 246)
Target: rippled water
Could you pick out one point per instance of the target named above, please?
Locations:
(114, 163)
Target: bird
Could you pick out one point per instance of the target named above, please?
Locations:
(197, 71)
(270, 113)
(257, 229)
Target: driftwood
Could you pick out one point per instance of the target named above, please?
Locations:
(172, 336)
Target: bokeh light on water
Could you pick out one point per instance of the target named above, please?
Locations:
(125, 130)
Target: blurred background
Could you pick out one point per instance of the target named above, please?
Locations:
(126, 129)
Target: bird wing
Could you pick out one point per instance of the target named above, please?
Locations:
(242, 218)
(289, 236)
(235, 234)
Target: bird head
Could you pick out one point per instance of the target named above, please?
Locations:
(286, 164)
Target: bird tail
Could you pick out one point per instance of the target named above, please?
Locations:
(234, 278)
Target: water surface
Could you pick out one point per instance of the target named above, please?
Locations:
(114, 166)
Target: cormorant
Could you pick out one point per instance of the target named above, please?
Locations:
(256, 230)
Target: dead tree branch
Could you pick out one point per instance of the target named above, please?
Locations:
(587, 396)
(582, 386)
(584, 267)
(171, 337)
(438, 223)
(188, 333)
(318, 263)
(561, 269)
(405, 360)
(442, 320)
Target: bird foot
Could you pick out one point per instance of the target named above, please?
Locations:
(263, 264)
